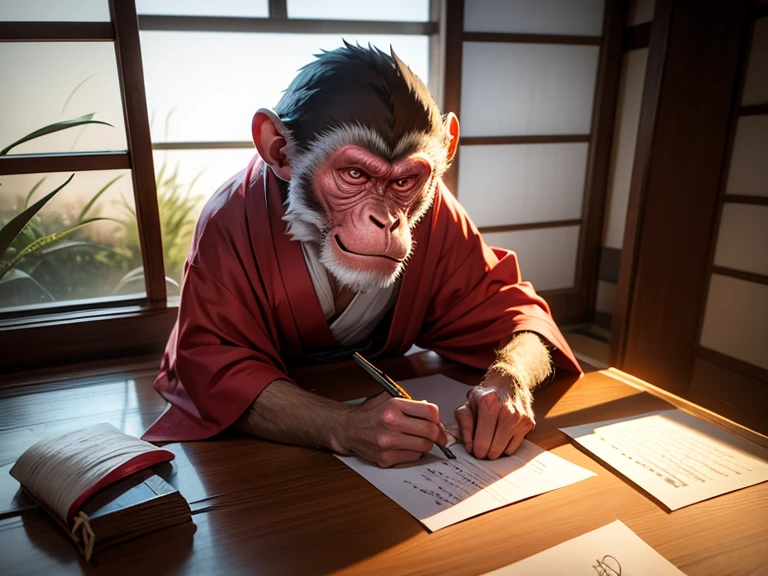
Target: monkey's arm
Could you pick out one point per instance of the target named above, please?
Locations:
(383, 430)
(499, 413)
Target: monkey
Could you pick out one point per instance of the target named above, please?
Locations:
(341, 236)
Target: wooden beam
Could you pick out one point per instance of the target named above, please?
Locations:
(529, 226)
(554, 139)
(740, 274)
(282, 25)
(131, 74)
(437, 63)
(69, 162)
(745, 199)
(636, 37)
(454, 50)
(221, 145)
(649, 106)
(278, 9)
(531, 38)
(56, 32)
(684, 167)
(599, 154)
(753, 109)
(85, 337)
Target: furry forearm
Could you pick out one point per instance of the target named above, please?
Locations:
(283, 412)
(525, 359)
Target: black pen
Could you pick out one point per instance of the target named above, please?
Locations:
(394, 390)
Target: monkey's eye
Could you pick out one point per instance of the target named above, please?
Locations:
(355, 174)
(403, 183)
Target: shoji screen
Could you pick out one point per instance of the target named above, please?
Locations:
(732, 359)
(632, 80)
(529, 72)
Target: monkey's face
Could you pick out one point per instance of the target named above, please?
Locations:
(370, 205)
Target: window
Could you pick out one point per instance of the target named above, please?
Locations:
(92, 268)
(204, 82)
(539, 63)
(67, 197)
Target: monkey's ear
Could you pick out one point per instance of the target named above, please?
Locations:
(452, 124)
(271, 138)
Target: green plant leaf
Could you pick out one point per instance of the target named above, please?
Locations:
(20, 276)
(10, 231)
(33, 190)
(55, 127)
(77, 244)
(96, 196)
(43, 242)
(71, 94)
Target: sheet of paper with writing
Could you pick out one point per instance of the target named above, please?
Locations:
(612, 550)
(440, 492)
(677, 458)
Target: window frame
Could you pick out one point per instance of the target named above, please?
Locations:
(575, 304)
(101, 329)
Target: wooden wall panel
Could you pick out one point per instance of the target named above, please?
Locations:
(679, 204)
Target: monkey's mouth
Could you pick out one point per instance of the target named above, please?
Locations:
(345, 249)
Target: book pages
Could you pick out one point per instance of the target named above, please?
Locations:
(61, 470)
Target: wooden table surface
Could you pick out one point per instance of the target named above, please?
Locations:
(265, 508)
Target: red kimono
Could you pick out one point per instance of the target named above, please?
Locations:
(248, 305)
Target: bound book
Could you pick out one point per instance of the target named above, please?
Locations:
(97, 484)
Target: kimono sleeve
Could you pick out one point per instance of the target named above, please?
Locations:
(478, 297)
(220, 357)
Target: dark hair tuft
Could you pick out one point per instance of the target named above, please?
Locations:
(356, 85)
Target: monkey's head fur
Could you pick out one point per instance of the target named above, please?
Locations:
(362, 145)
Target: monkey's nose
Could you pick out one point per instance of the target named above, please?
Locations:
(394, 226)
(379, 224)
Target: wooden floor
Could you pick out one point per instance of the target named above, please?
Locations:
(261, 507)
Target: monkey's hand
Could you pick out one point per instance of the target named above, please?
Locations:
(389, 431)
(499, 412)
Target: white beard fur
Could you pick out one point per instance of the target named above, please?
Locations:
(304, 224)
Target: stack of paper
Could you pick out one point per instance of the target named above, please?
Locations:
(440, 492)
(613, 550)
(677, 458)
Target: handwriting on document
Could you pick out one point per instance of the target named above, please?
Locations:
(607, 566)
(675, 454)
(449, 482)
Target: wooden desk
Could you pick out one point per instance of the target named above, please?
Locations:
(273, 509)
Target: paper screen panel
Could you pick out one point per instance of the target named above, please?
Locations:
(743, 238)
(241, 8)
(522, 183)
(736, 319)
(570, 17)
(624, 142)
(547, 256)
(756, 83)
(391, 10)
(54, 11)
(49, 82)
(204, 86)
(510, 89)
(748, 173)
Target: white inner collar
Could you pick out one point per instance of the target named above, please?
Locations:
(363, 313)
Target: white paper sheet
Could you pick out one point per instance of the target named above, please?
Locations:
(440, 492)
(676, 457)
(608, 551)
